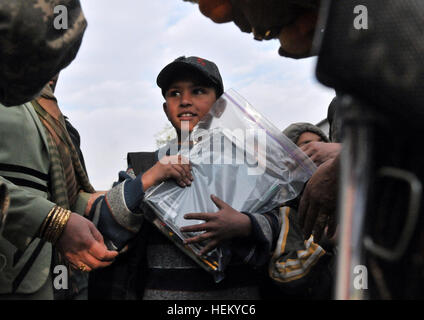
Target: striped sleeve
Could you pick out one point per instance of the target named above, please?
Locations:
(293, 257)
(116, 214)
(257, 249)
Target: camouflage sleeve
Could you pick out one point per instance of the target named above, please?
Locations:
(4, 202)
(38, 38)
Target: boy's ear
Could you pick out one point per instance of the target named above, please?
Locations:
(165, 109)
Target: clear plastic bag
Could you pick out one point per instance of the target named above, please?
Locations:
(237, 155)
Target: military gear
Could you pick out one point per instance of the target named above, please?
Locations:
(377, 69)
(32, 49)
(366, 62)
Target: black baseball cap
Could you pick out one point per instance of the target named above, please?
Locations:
(206, 68)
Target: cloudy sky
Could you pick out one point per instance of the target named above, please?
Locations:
(110, 95)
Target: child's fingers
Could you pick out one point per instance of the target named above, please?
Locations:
(179, 161)
(209, 247)
(178, 173)
(184, 171)
(199, 238)
(195, 228)
(187, 171)
(183, 160)
(199, 216)
(218, 202)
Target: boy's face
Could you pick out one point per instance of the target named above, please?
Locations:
(188, 101)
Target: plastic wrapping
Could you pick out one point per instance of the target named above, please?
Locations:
(237, 155)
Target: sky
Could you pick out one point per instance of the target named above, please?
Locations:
(109, 92)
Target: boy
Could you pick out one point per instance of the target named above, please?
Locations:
(301, 269)
(312, 141)
(153, 265)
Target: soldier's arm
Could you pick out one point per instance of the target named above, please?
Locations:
(77, 239)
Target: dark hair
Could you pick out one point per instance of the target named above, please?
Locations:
(196, 77)
(191, 67)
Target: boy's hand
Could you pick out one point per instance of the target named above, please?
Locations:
(320, 152)
(169, 167)
(219, 226)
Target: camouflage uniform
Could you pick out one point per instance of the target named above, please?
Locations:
(32, 50)
(4, 202)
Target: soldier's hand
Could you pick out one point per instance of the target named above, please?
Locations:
(317, 208)
(219, 226)
(83, 246)
(320, 152)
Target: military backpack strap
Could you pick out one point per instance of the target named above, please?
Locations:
(141, 161)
